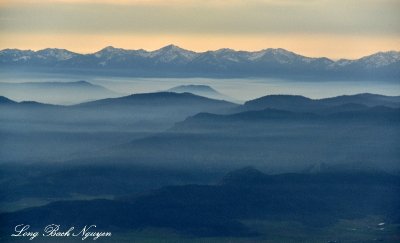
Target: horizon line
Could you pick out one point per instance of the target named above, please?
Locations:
(197, 52)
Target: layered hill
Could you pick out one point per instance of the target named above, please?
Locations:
(162, 108)
(36, 131)
(56, 92)
(298, 103)
(201, 90)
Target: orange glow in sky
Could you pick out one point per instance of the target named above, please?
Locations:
(331, 28)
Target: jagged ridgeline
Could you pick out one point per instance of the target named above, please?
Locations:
(173, 61)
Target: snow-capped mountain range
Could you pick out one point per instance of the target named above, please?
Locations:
(171, 61)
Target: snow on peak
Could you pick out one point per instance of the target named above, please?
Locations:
(58, 54)
(381, 59)
(109, 51)
(172, 52)
(280, 55)
(17, 55)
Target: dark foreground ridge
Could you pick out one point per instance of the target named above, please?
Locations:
(316, 200)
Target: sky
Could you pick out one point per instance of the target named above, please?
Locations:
(331, 28)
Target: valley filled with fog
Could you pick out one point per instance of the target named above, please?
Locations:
(189, 147)
(189, 121)
(240, 89)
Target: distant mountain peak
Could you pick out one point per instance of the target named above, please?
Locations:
(52, 50)
(172, 53)
(278, 51)
(225, 50)
(58, 54)
(11, 50)
(109, 48)
(110, 51)
(381, 59)
(172, 60)
(279, 55)
(390, 54)
(201, 90)
(171, 47)
(279, 98)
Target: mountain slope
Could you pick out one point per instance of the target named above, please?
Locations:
(304, 104)
(154, 111)
(163, 108)
(173, 61)
(160, 99)
(201, 90)
(275, 140)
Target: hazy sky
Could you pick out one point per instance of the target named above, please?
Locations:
(333, 28)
